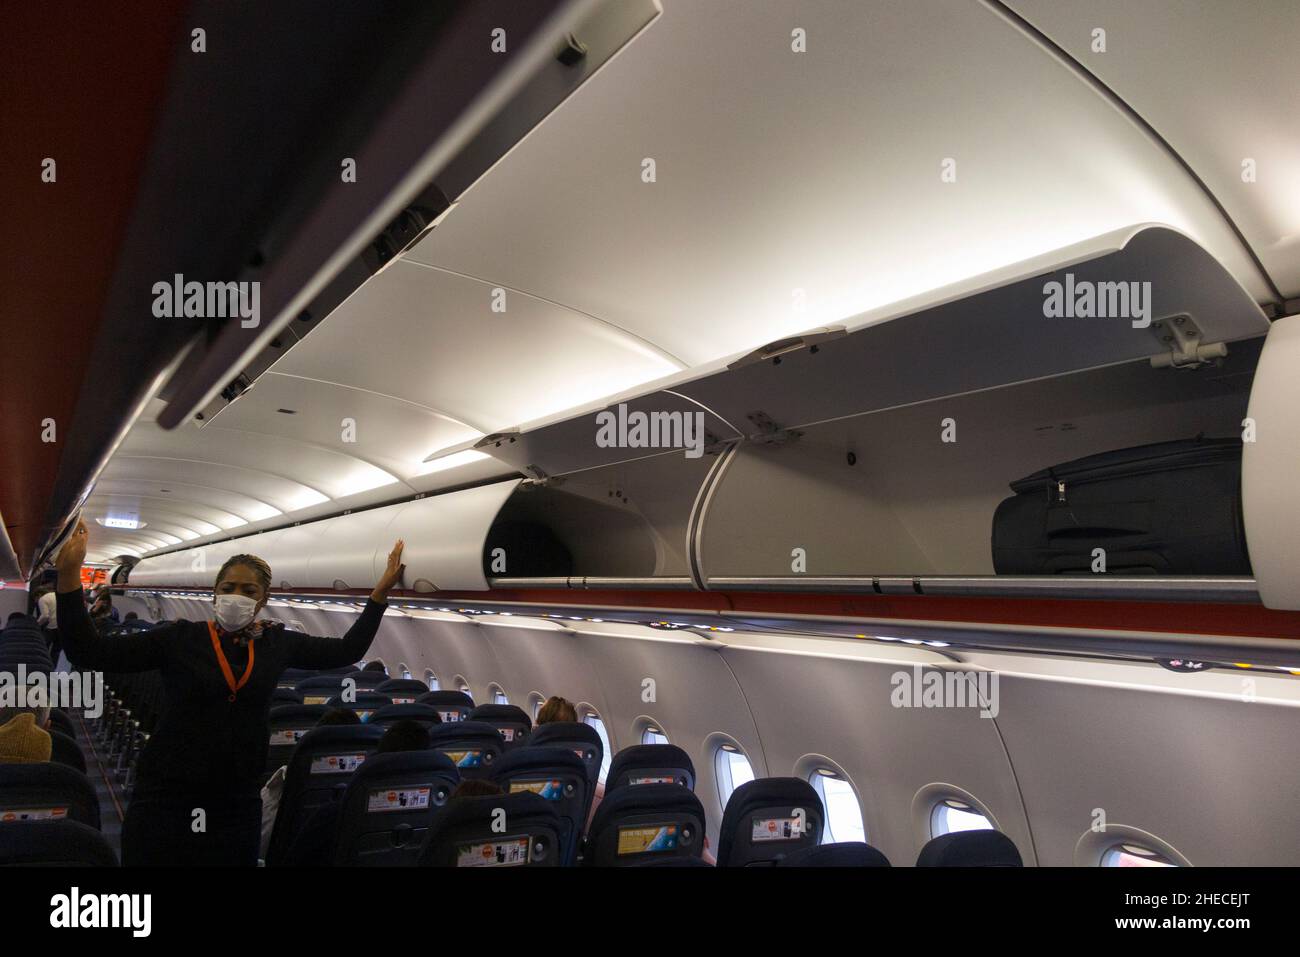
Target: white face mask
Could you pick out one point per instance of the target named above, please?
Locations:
(234, 612)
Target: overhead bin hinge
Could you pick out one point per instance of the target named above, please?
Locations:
(714, 445)
(774, 350)
(497, 439)
(769, 433)
(1182, 337)
(537, 478)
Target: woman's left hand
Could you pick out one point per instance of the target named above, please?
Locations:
(392, 574)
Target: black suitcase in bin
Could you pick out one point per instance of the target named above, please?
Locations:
(1172, 508)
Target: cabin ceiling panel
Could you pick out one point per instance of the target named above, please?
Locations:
(335, 474)
(391, 433)
(1209, 77)
(796, 190)
(433, 338)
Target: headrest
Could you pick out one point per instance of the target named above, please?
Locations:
(404, 684)
(847, 854)
(494, 713)
(402, 762)
(531, 758)
(322, 682)
(64, 843)
(422, 713)
(324, 751)
(512, 721)
(568, 734)
(647, 819)
(467, 832)
(759, 824)
(65, 750)
(45, 791)
(363, 702)
(297, 715)
(645, 764)
(447, 699)
(286, 696)
(983, 848)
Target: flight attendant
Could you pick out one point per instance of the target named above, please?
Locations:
(197, 799)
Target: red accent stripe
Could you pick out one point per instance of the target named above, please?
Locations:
(1202, 618)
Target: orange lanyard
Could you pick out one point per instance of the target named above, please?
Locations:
(225, 665)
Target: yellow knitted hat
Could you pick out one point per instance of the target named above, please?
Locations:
(21, 742)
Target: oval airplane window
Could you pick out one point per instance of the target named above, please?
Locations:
(840, 801)
(403, 670)
(535, 702)
(498, 694)
(430, 679)
(462, 685)
(951, 815)
(653, 735)
(589, 716)
(1134, 855)
(732, 769)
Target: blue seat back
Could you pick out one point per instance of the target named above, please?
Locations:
(767, 819)
(474, 747)
(319, 771)
(501, 830)
(580, 738)
(559, 776)
(389, 805)
(637, 825)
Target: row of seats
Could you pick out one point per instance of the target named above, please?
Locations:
(49, 812)
(398, 809)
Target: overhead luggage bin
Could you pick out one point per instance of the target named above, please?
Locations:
(1022, 323)
(622, 430)
(903, 501)
(622, 525)
(445, 537)
(348, 548)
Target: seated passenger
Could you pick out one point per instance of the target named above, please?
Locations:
(274, 786)
(556, 708)
(314, 844)
(23, 738)
(375, 665)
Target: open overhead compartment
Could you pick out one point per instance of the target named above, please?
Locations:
(892, 497)
(623, 524)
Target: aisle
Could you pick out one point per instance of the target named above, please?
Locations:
(98, 771)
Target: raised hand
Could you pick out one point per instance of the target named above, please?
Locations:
(392, 574)
(71, 557)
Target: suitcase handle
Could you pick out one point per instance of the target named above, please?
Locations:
(1112, 519)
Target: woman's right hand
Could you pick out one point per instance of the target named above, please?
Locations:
(71, 557)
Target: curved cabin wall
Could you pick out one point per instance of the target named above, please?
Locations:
(914, 504)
